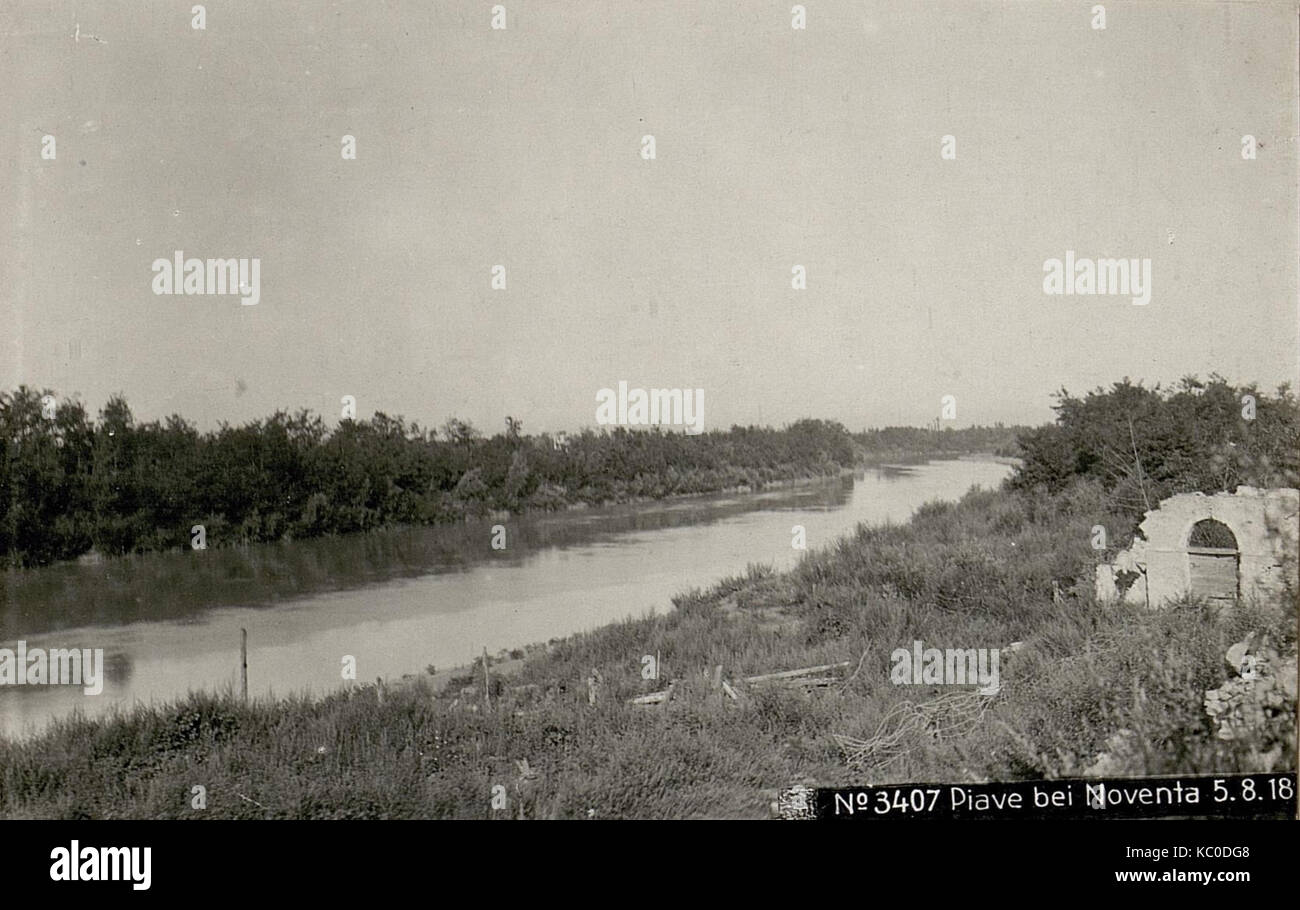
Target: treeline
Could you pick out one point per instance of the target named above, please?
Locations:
(1142, 445)
(69, 483)
(997, 440)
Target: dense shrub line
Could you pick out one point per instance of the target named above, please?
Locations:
(69, 483)
(1143, 445)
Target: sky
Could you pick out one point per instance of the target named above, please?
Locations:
(522, 147)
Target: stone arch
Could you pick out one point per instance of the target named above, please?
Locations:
(1213, 560)
(1265, 528)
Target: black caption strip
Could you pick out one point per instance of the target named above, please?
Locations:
(1218, 796)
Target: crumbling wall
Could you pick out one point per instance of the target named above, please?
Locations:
(1266, 524)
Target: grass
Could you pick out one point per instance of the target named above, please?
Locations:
(978, 573)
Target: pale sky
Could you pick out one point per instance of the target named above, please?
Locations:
(521, 147)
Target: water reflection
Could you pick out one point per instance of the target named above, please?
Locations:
(182, 585)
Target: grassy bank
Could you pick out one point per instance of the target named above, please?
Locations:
(973, 574)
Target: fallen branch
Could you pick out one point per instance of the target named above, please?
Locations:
(253, 801)
(849, 681)
(904, 726)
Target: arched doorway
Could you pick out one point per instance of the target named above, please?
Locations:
(1213, 561)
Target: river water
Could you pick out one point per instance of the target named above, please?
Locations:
(399, 601)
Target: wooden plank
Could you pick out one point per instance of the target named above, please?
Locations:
(812, 681)
(1214, 575)
(791, 674)
(654, 698)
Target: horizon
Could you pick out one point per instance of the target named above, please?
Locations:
(435, 424)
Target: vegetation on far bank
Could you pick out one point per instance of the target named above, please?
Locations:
(984, 572)
(69, 483)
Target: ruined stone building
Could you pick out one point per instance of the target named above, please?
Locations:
(1224, 547)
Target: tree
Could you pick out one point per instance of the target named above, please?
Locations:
(460, 432)
(1144, 445)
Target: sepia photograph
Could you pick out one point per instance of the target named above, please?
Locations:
(854, 410)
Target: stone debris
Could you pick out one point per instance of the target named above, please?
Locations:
(1258, 704)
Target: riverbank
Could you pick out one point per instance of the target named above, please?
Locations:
(92, 601)
(975, 574)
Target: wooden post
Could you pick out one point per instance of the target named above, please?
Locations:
(243, 664)
(487, 681)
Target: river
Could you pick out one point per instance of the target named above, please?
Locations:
(399, 601)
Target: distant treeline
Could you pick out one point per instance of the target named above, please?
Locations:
(69, 483)
(1142, 445)
(997, 440)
